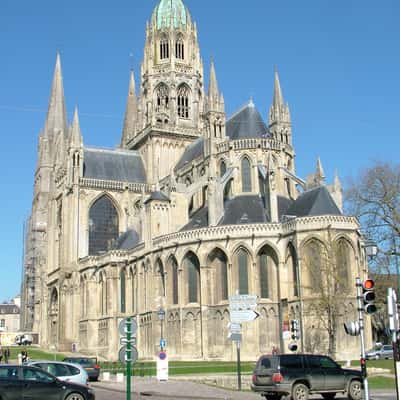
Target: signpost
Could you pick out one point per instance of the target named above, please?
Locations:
(394, 330)
(242, 309)
(128, 354)
(162, 366)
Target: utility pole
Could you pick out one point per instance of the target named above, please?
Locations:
(394, 330)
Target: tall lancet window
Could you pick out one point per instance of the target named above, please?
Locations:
(103, 226)
(162, 94)
(246, 175)
(183, 101)
(180, 49)
(164, 48)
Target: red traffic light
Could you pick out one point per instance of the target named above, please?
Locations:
(368, 284)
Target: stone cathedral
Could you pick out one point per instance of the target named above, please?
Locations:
(191, 208)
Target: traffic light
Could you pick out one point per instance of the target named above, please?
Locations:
(294, 328)
(369, 296)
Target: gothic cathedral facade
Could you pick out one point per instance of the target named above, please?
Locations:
(191, 208)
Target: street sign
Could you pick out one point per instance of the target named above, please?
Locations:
(235, 337)
(238, 316)
(122, 327)
(124, 341)
(163, 343)
(243, 302)
(162, 366)
(122, 356)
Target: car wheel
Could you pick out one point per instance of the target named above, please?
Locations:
(355, 390)
(300, 392)
(377, 357)
(74, 396)
(328, 396)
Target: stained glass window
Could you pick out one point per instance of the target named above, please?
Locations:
(246, 175)
(103, 226)
(193, 270)
(242, 258)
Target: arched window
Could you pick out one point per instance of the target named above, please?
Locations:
(2, 323)
(122, 278)
(192, 269)
(246, 175)
(268, 262)
(103, 226)
(218, 260)
(342, 275)
(243, 273)
(291, 263)
(172, 293)
(161, 278)
(164, 48)
(222, 168)
(180, 49)
(162, 95)
(54, 301)
(183, 101)
(314, 260)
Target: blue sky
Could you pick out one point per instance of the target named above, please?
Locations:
(339, 64)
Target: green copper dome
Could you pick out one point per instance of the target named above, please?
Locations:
(170, 12)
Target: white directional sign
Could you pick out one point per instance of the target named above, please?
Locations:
(243, 316)
(235, 337)
(124, 341)
(234, 327)
(242, 308)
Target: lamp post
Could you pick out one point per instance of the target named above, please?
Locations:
(161, 317)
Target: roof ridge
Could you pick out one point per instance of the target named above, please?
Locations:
(108, 150)
(247, 105)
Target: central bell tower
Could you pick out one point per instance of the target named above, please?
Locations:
(166, 115)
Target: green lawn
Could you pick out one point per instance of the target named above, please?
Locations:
(380, 382)
(34, 353)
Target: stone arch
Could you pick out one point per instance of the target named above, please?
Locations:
(246, 173)
(104, 218)
(241, 274)
(191, 273)
(292, 265)
(164, 46)
(172, 289)
(344, 259)
(183, 96)
(267, 265)
(159, 273)
(162, 98)
(218, 261)
(54, 304)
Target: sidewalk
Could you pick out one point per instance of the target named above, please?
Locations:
(177, 389)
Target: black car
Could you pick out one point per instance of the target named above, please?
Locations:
(89, 364)
(23, 382)
(300, 375)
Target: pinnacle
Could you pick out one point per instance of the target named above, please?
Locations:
(76, 135)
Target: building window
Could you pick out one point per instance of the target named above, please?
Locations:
(103, 226)
(268, 263)
(164, 48)
(222, 169)
(103, 294)
(162, 94)
(219, 263)
(175, 296)
(342, 265)
(243, 274)
(122, 278)
(180, 49)
(2, 323)
(291, 262)
(183, 101)
(246, 175)
(315, 260)
(192, 267)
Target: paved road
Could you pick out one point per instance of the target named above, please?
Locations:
(107, 394)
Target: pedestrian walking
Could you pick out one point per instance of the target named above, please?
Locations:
(6, 354)
(24, 355)
(274, 350)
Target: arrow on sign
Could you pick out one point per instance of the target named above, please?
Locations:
(244, 316)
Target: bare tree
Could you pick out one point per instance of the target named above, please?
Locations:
(328, 285)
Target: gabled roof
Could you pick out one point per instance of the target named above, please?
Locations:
(128, 240)
(113, 165)
(159, 196)
(246, 123)
(9, 309)
(314, 202)
(193, 151)
(247, 209)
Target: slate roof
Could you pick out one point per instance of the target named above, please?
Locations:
(247, 209)
(193, 151)
(246, 123)
(9, 309)
(159, 196)
(128, 240)
(314, 202)
(113, 165)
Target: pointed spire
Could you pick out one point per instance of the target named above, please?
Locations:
(319, 173)
(278, 96)
(337, 185)
(76, 135)
(56, 120)
(130, 113)
(213, 92)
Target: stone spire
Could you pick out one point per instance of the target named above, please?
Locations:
(76, 135)
(279, 114)
(319, 172)
(56, 120)
(337, 185)
(215, 100)
(130, 113)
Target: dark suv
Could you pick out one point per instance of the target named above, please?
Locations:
(299, 375)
